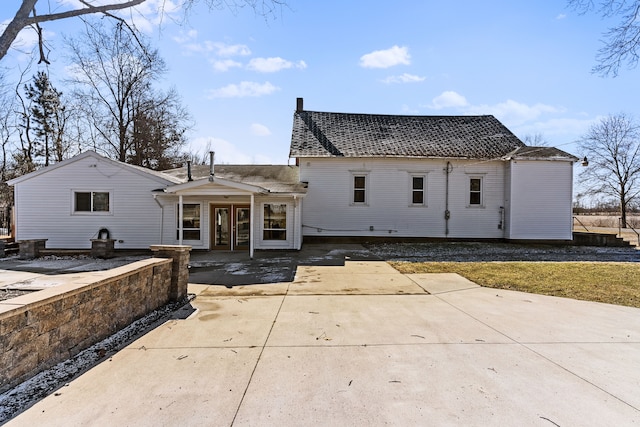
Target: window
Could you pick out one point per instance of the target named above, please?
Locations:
(91, 201)
(475, 191)
(190, 221)
(417, 190)
(359, 189)
(274, 221)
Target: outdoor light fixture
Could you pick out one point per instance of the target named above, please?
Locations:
(585, 161)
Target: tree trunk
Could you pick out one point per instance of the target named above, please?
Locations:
(623, 212)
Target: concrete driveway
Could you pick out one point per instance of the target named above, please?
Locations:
(361, 344)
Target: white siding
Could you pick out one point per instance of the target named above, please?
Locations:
(328, 210)
(540, 200)
(44, 205)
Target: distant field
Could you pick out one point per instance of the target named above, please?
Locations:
(608, 221)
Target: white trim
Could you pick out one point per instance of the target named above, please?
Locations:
(91, 212)
(287, 220)
(156, 176)
(468, 191)
(366, 189)
(252, 217)
(220, 181)
(180, 219)
(422, 175)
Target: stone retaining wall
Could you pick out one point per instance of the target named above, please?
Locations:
(41, 329)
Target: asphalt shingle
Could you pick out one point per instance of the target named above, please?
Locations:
(322, 134)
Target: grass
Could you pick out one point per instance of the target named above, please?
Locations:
(608, 282)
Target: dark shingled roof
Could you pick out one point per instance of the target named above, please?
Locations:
(319, 134)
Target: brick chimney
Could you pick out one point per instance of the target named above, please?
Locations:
(299, 105)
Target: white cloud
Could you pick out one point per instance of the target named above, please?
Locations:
(145, 17)
(225, 64)
(226, 152)
(404, 78)
(271, 65)
(562, 127)
(219, 48)
(513, 112)
(448, 99)
(243, 90)
(395, 55)
(260, 130)
(223, 49)
(561, 16)
(183, 37)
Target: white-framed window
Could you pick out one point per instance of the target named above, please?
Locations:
(91, 202)
(359, 188)
(274, 221)
(476, 193)
(418, 196)
(191, 224)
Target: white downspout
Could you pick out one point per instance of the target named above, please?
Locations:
(253, 227)
(180, 219)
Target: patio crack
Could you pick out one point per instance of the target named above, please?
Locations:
(264, 345)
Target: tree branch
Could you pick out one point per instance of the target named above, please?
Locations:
(22, 19)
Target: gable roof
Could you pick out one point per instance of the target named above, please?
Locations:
(262, 178)
(157, 176)
(320, 134)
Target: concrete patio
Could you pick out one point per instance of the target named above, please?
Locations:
(361, 344)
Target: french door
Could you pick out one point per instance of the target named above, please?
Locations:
(230, 227)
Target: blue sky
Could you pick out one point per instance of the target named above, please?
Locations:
(527, 63)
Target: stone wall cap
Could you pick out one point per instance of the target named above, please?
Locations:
(177, 248)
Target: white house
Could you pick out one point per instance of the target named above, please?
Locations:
(459, 177)
(356, 176)
(229, 207)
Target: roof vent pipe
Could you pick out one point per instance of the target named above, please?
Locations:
(211, 170)
(189, 177)
(299, 105)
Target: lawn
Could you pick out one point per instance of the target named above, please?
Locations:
(608, 282)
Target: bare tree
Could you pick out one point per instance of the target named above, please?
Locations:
(613, 149)
(27, 17)
(115, 73)
(26, 156)
(535, 140)
(621, 42)
(158, 133)
(6, 132)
